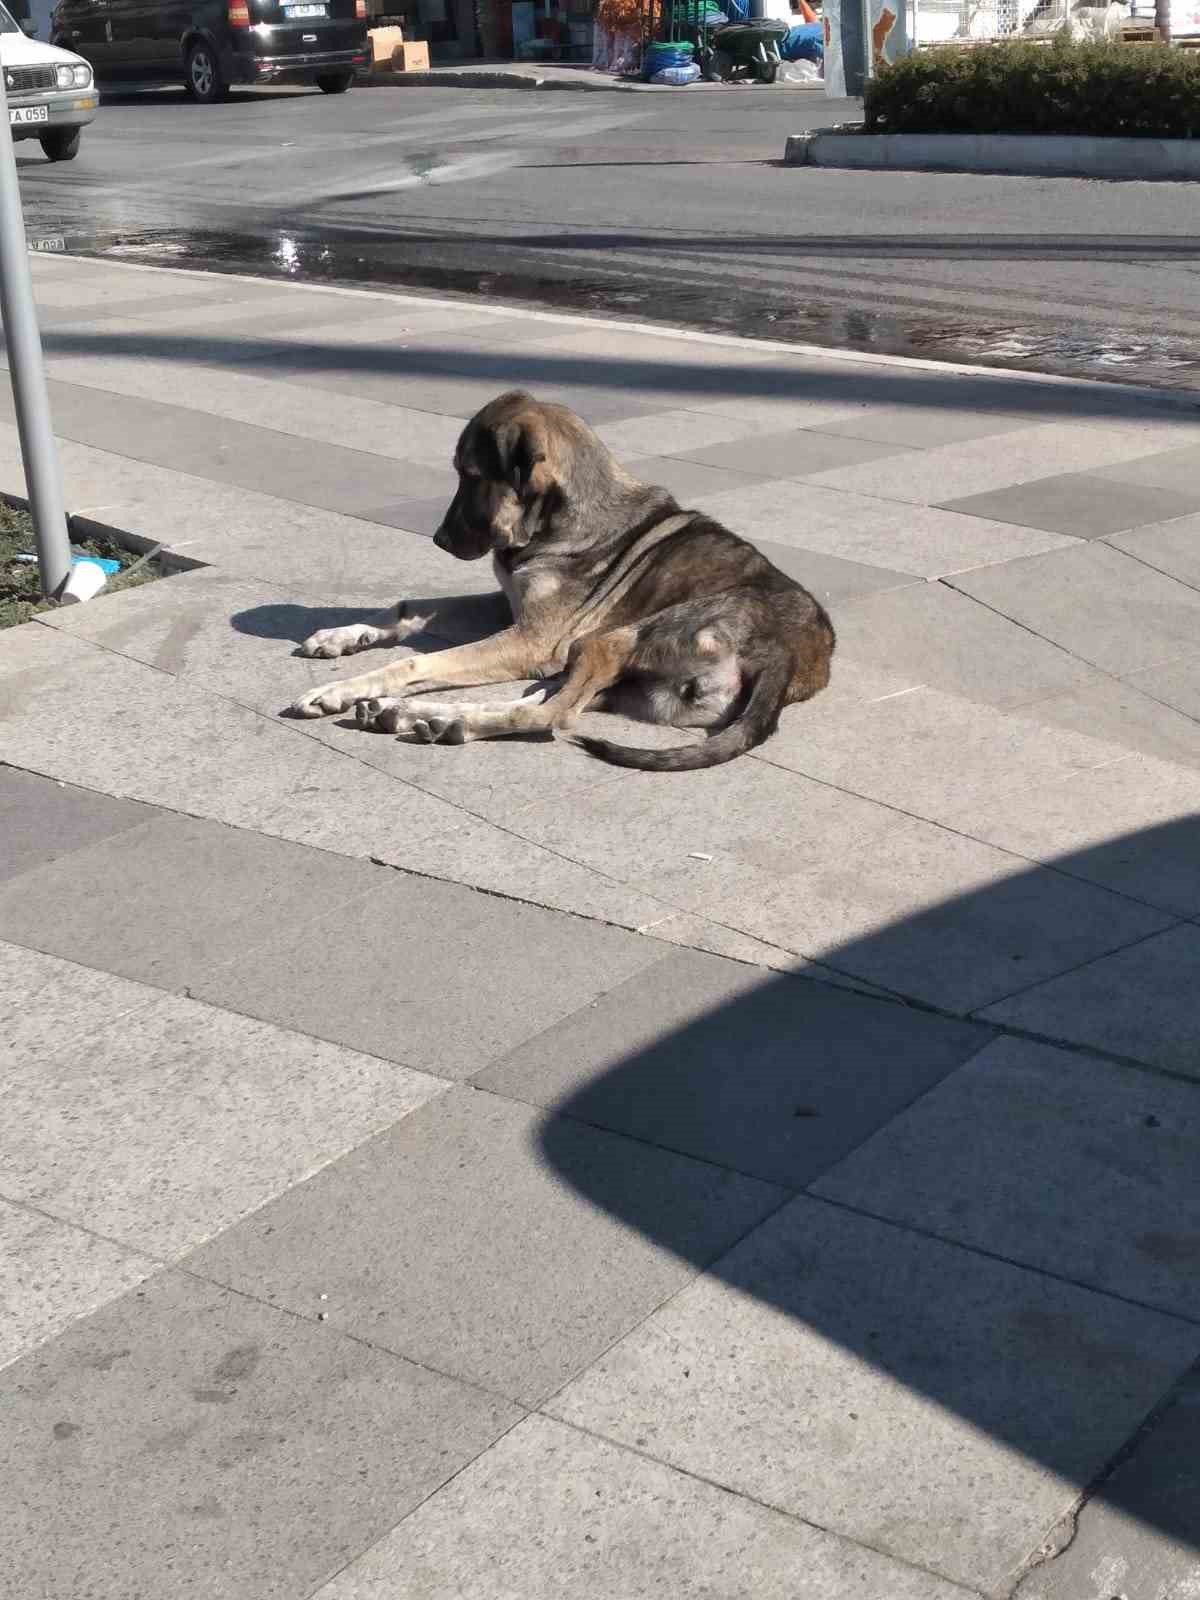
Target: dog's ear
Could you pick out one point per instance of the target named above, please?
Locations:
(524, 451)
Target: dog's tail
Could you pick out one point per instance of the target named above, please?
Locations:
(757, 722)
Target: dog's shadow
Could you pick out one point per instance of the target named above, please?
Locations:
(452, 619)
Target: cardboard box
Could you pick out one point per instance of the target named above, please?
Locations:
(412, 56)
(384, 43)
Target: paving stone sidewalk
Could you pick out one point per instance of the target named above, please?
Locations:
(485, 1173)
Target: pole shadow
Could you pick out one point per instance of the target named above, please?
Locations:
(985, 1259)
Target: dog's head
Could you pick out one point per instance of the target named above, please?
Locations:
(511, 463)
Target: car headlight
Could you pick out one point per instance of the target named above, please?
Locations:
(83, 76)
(66, 77)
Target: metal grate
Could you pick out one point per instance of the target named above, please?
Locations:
(20, 79)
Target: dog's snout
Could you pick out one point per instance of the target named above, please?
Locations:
(440, 539)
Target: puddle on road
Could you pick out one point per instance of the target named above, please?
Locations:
(1161, 361)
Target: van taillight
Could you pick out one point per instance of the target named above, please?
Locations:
(239, 14)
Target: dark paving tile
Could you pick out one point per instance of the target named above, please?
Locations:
(832, 579)
(1177, 471)
(689, 481)
(261, 459)
(168, 900)
(1089, 1170)
(1138, 1535)
(451, 1239)
(770, 1075)
(188, 1441)
(430, 974)
(1082, 504)
(41, 819)
(792, 454)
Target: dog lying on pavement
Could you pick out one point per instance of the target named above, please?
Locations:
(620, 600)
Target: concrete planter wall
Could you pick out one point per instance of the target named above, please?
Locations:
(1049, 154)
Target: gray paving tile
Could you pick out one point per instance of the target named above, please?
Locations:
(1088, 1170)
(1095, 602)
(920, 539)
(453, 1240)
(1131, 826)
(929, 753)
(994, 462)
(191, 1439)
(486, 857)
(45, 1003)
(1175, 686)
(817, 1068)
(51, 1274)
(922, 427)
(236, 452)
(792, 454)
(1140, 1002)
(930, 1375)
(1137, 1537)
(551, 1514)
(395, 431)
(112, 724)
(1177, 471)
(1173, 547)
(430, 974)
(832, 579)
(1087, 505)
(166, 901)
(172, 1123)
(897, 901)
(689, 481)
(42, 819)
(1124, 714)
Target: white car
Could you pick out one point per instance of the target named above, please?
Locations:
(51, 95)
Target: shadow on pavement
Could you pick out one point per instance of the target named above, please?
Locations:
(570, 375)
(904, 1354)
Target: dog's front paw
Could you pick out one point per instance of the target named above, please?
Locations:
(326, 701)
(427, 725)
(331, 642)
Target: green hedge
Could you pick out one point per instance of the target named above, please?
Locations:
(1143, 91)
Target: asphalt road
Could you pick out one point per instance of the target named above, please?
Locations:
(669, 206)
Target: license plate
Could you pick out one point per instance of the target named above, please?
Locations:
(305, 11)
(21, 114)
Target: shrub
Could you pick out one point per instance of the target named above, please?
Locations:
(1143, 91)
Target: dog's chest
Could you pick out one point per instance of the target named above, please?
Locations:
(525, 587)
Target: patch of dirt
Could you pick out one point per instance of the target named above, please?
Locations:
(21, 594)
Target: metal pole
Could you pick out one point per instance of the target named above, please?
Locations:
(868, 51)
(28, 374)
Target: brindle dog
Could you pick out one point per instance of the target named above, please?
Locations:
(620, 598)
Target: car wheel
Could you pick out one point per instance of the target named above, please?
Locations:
(335, 82)
(61, 145)
(204, 81)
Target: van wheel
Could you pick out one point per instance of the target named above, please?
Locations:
(61, 145)
(335, 82)
(203, 75)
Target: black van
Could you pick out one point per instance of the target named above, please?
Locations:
(213, 43)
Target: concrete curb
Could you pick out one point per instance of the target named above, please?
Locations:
(1028, 155)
